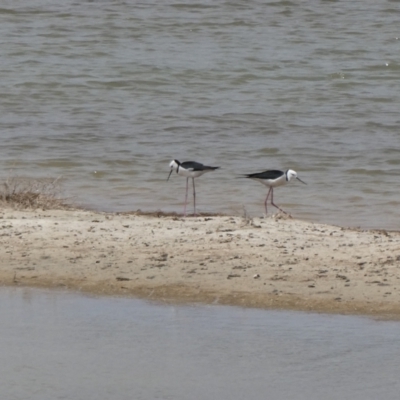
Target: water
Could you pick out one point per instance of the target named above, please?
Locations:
(106, 93)
(58, 345)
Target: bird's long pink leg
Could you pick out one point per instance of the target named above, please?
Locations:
(194, 197)
(266, 199)
(187, 187)
(272, 202)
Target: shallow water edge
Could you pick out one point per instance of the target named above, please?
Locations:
(184, 295)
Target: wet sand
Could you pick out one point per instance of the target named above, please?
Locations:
(273, 262)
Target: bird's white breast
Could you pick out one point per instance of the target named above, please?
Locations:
(273, 182)
(189, 174)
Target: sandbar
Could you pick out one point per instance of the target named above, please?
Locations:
(273, 262)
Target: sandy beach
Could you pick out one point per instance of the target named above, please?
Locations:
(272, 262)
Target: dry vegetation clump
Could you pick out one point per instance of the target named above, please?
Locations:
(28, 193)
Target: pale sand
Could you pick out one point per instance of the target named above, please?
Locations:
(268, 263)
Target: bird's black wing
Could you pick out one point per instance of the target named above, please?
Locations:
(271, 174)
(195, 166)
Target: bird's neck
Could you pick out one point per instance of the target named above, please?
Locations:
(287, 176)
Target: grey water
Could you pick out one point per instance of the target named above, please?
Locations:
(105, 93)
(60, 345)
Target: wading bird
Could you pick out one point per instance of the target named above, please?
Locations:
(274, 178)
(189, 169)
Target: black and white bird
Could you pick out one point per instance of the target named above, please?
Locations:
(274, 178)
(189, 169)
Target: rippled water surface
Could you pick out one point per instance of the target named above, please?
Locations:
(57, 345)
(106, 93)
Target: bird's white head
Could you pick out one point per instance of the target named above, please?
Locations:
(290, 174)
(174, 165)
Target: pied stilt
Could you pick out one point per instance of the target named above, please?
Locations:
(274, 178)
(189, 169)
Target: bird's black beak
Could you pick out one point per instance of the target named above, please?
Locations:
(169, 174)
(301, 180)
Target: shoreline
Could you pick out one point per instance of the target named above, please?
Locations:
(272, 263)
